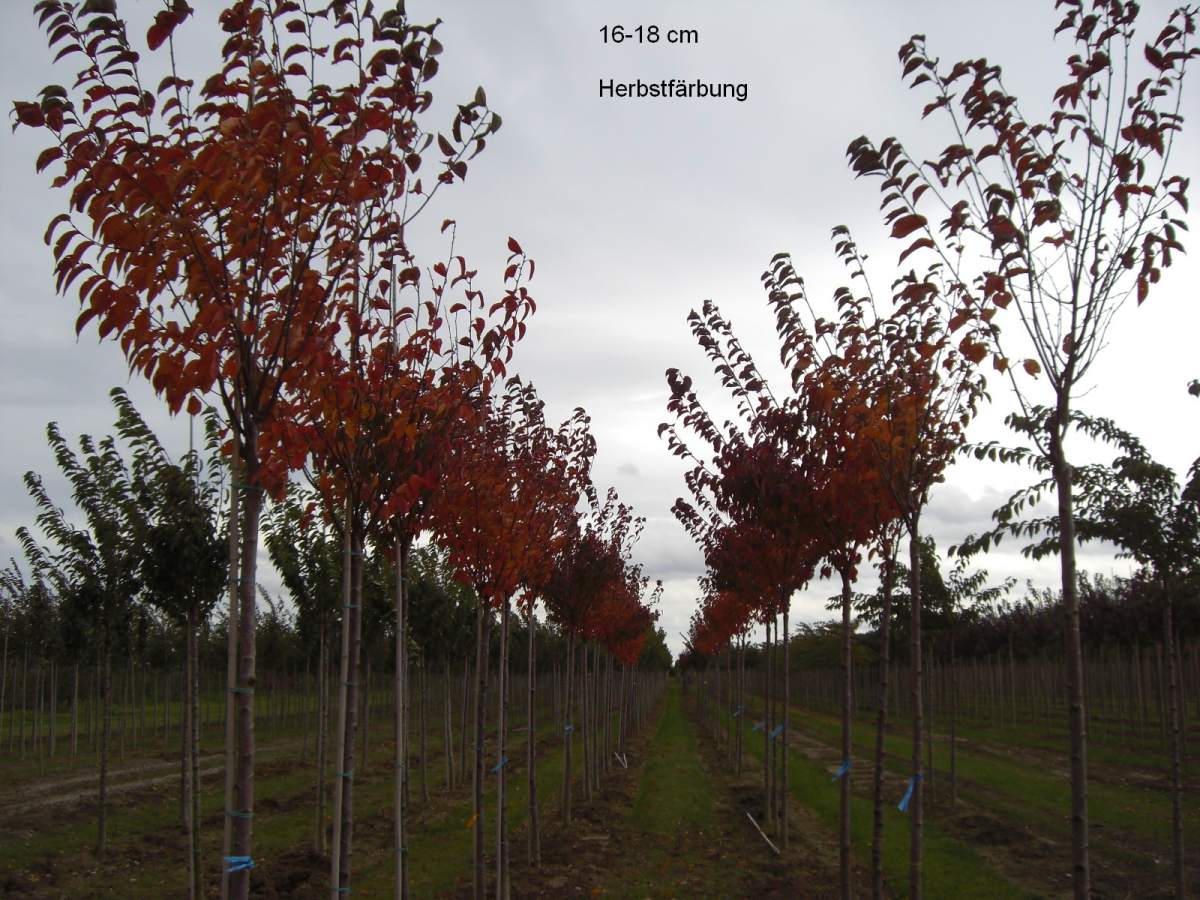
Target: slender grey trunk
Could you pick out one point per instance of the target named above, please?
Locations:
(339, 781)
(194, 756)
(1176, 749)
(400, 888)
(568, 678)
(74, 711)
(231, 673)
(482, 621)
(847, 700)
(1077, 719)
(535, 836)
(502, 883)
(466, 706)
(322, 728)
(424, 733)
(915, 810)
(345, 846)
(787, 703)
(885, 626)
(953, 720)
(448, 723)
(243, 831)
(105, 731)
(766, 719)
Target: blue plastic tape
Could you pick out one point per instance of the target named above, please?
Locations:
(903, 807)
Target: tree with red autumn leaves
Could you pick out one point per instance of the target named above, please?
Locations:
(591, 562)
(795, 487)
(378, 424)
(503, 518)
(906, 391)
(212, 230)
(1074, 214)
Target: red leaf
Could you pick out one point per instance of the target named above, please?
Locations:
(29, 114)
(915, 246)
(514, 246)
(48, 156)
(906, 225)
(164, 24)
(973, 351)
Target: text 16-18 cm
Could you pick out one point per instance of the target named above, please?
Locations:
(649, 34)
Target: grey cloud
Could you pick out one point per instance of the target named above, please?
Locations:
(636, 212)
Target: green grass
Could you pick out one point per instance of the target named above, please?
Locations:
(674, 789)
(952, 868)
(1021, 791)
(440, 849)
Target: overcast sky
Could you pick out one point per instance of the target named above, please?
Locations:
(636, 211)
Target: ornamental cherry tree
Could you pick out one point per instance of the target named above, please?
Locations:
(907, 392)
(794, 486)
(1073, 215)
(590, 562)
(211, 228)
(502, 516)
(377, 423)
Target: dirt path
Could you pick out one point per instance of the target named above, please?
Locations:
(82, 788)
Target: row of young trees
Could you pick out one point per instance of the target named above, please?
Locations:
(52, 618)
(1070, 216)
(246, 241)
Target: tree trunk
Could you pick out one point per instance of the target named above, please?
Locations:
(914, 806)
(105, 731)
(24, 696)
(502, 886)
(787, 701)
(344, 847)
(953, 722)
(231, 672)
(766, 722)
(424, 734)
(339, 781)
(482, 621)
(194, 741)
(568, 678)
(322, 685)
(185, 712)
(847, 700)
(52, 731)
(1176, 745)
(1077, 722)
(239, 880)
(466, 706)
(881, 718)
(74, 711)
(535, 837)
(585, 722)
(366, 714)
(400, 888)
(448, 723)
